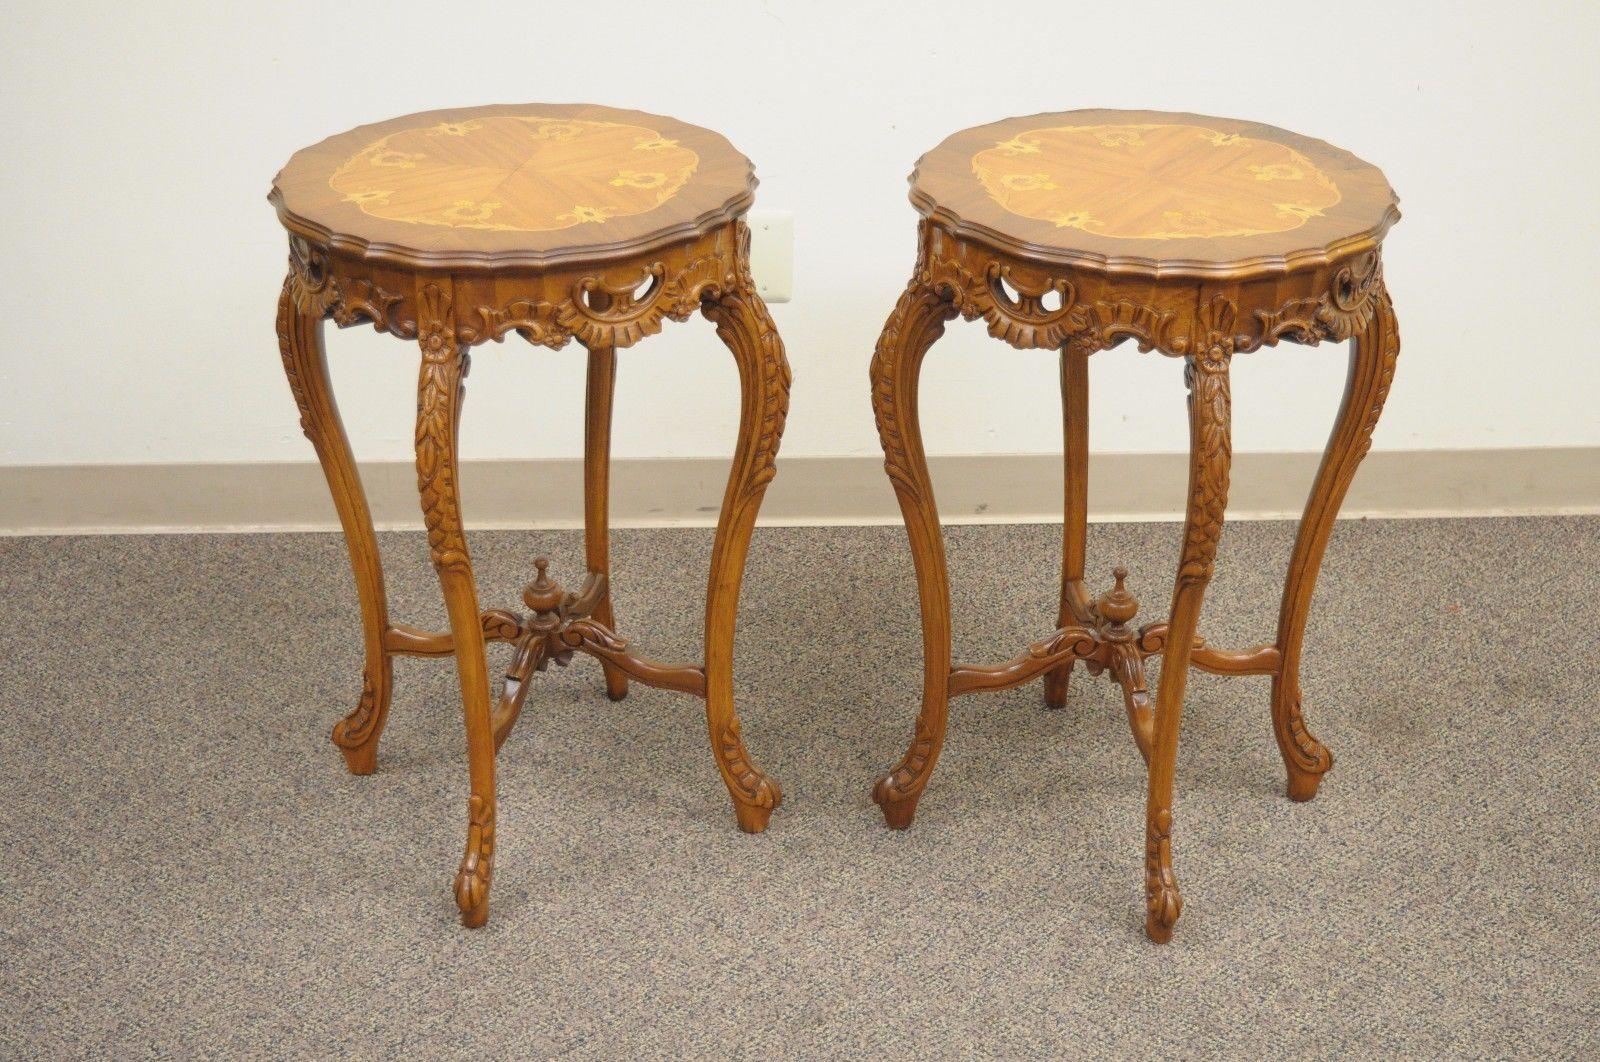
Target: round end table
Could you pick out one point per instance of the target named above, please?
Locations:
(1195, 236)
(553, 222)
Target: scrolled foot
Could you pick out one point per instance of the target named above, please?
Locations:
(1163, 902)
(1305, 759)
(753, 818)
(477, 865)
(755, 796)
(357, 733)
(898, 807)
(1303, 785)
(363, 759)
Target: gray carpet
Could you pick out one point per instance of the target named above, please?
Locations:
(186, 869)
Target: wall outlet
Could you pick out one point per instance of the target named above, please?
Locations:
(772, 253)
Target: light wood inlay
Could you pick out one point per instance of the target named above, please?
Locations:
(1154, 182)
(1155, 194)
(515, 173)
(523, 186)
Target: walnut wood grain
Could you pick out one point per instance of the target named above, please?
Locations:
(305, 362)
(440, 389)
(439, 261)
(1372, 362)
(601, 383)
(745, 326)
(916, 323)
(1079, 232)
(1075, 508)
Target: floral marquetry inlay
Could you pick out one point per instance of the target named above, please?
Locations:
(515, 173)
(1154, 181)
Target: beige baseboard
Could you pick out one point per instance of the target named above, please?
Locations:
(1004, 488)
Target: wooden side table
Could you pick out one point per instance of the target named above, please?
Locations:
(1198, 237)
(553, 222)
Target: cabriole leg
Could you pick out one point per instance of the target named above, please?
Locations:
(917, 321)
(745, 326)
(1373, 352)
(1075, 512)
(439, 394)
(306, 364)
(1209, 457)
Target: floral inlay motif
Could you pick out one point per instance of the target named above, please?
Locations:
(515, 173)
(1154, 182)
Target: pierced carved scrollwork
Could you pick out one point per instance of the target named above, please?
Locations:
(599, 306)
(1009, 296)
(311, 285)
(318, 290)
(533, 320)
(362, 300)
(1012, 302)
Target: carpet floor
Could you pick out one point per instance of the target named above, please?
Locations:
(186, 869)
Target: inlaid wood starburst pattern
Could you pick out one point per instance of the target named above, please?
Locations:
(1154, 181)
(515, 173)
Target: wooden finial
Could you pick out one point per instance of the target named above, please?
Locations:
(544, 594)
(1118, 605)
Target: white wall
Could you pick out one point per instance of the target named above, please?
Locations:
(141, 262)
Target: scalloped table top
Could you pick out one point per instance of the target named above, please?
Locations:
(508, 185)
(1155, 193)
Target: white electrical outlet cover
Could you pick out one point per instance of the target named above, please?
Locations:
(772, 253)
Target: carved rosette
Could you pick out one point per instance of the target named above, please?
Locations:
(477, 863)
(444, 366)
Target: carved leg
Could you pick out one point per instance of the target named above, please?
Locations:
(596, 491)
(745, 326)
(1372, 359)
(306, 364)
(439, 393)
(1209, 456)
(1075, 516)
(917, 322)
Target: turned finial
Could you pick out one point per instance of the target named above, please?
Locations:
(1117, 604)
(544, 594)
